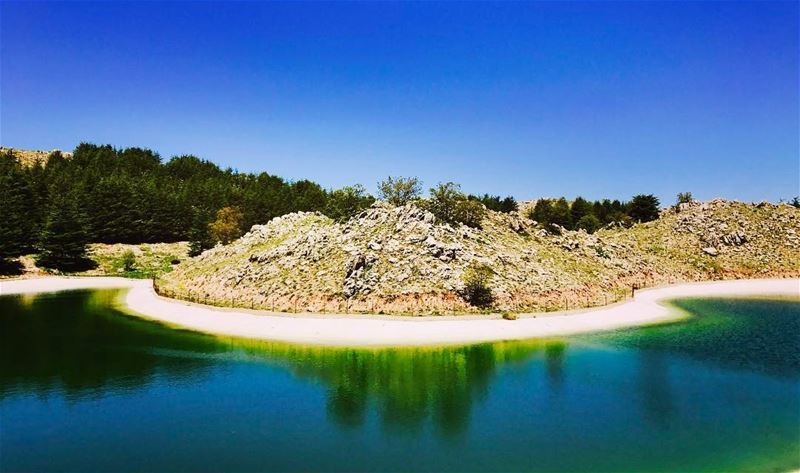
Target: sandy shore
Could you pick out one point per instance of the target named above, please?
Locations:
(365, 330)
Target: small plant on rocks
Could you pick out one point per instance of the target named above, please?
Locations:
(128, 261)
(509, 316)
(477, 291)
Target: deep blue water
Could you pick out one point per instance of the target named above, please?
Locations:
(84, 387)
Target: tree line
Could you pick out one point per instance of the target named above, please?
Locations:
(554, 214)
(103, 194)
(109, 195)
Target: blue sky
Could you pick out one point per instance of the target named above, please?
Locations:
(598, 99)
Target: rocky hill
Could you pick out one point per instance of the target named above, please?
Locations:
(31, 157)
(401, 260)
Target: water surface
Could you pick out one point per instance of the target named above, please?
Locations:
(84, 387)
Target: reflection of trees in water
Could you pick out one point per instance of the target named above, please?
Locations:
(554, 357)
(76, 342)
(407, 386)
(654, 388)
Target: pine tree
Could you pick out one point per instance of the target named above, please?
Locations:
(561, 213)
(198, 232)
(64, 238)
(542, 212)
(643, 208)
(16, 226)
(580, 208)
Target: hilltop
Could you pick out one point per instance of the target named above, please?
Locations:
(402, 260)
(29, 158)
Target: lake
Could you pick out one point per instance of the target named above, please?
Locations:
(85, 387)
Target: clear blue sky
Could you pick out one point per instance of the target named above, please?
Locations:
(529, 99)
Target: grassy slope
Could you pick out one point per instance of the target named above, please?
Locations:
(151, 259)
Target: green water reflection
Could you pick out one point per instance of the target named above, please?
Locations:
(719, 391)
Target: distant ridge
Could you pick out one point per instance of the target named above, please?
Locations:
(32, 157)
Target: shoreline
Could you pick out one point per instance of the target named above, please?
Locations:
(344, 330)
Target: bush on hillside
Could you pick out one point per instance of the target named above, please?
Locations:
(450, 205)
(684, 198)
(477, 291)
(399, 190)
(346, 202)
(470, 213)
(128, 261)
(227, 226)
(589, 222)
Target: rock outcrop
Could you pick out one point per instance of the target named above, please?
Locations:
(402, 260)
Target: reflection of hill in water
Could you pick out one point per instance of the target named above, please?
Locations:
(406, 386)
(76, 342)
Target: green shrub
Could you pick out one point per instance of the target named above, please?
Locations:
(477, 291)
(399, 191)
(509, 316)
(589, 222)
(227, 226)
(684, 197)
(128, 261)
(450, 205)
(470, 213)
(346, 202)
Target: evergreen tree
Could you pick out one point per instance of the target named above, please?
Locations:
(580, 207)
(508, 205)
(643, 208)
(64, 238)
(561, 213)
(16, 225)
(495, 202)
(542, 212)
(199, 239)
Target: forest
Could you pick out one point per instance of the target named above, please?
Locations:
(108, 195)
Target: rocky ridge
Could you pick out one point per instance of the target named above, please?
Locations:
(402, 260)
(32, 157)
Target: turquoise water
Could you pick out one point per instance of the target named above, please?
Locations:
(84, 387)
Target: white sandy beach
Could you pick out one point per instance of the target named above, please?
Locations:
(366, 330)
